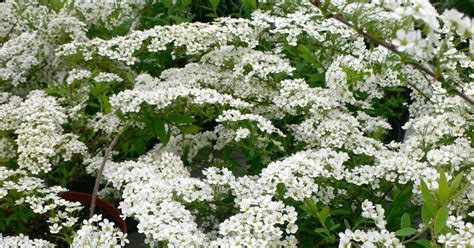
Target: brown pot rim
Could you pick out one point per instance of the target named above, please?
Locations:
(85, 199)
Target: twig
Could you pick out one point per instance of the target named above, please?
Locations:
(8, 34)
(393, 49)
(100, 172)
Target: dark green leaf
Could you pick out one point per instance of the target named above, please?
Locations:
(319, 230)
(347, 224)
(405, 221)
(158, 129)
(189, 129)
(334, 227)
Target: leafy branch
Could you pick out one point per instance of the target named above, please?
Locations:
(392, 48)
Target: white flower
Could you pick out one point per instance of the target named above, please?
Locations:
(407, 41)
(55, 228)
(457, 20)
(241, 133)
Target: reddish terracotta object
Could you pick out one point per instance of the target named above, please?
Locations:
(6, 213)
(85, 199)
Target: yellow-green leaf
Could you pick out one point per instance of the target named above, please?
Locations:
(425, 192)
(441, 218)
(426, 214)
(455, 184)
(443, 189)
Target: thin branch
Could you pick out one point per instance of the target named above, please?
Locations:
(108, 151)
(7, 37)
(393, 49)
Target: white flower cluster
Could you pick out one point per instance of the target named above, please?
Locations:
(18, 56)
(23, 241)
(41, 199)
(376, 213)
(366, 239)
(109, 13)
(37, 122)
(31, 32)
(326, 128)
(151, 187)
(99, 232)
(257, 225)
(130, 100)
(7, 149)
(264, 125)
(370, 238)
(463, 235)
(76, 74)
(107, 77)
(194, 37)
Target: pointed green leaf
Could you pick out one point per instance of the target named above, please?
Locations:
(455, 184)
(347, 224)
(405, 221)
(323, 214)
(407, 231)
(189, 129)
(426, 214)
(334, 227)
(441, 219)
(158, 129)
(319, 230)
(443, 189)
(425, 192)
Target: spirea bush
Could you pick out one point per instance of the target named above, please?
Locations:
(237, 123)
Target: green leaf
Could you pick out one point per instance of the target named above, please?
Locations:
(341, 212)
(180, 119)
(441, 219)
(106, 106)
(251, 4)
(426, 214)
(455, 184)
(214, 4)
(319, 230)
(189, 129)
(423, 242)
(407, 231)
(443, 189)
(347, 224)
(425, 192)
(405, 221)
(323, 214)
(167, 3)
(334, 227)
(122, 29)
(158, 129)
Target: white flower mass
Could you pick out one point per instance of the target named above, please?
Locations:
(266, 131)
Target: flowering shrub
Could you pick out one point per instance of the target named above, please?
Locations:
(253, 124)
